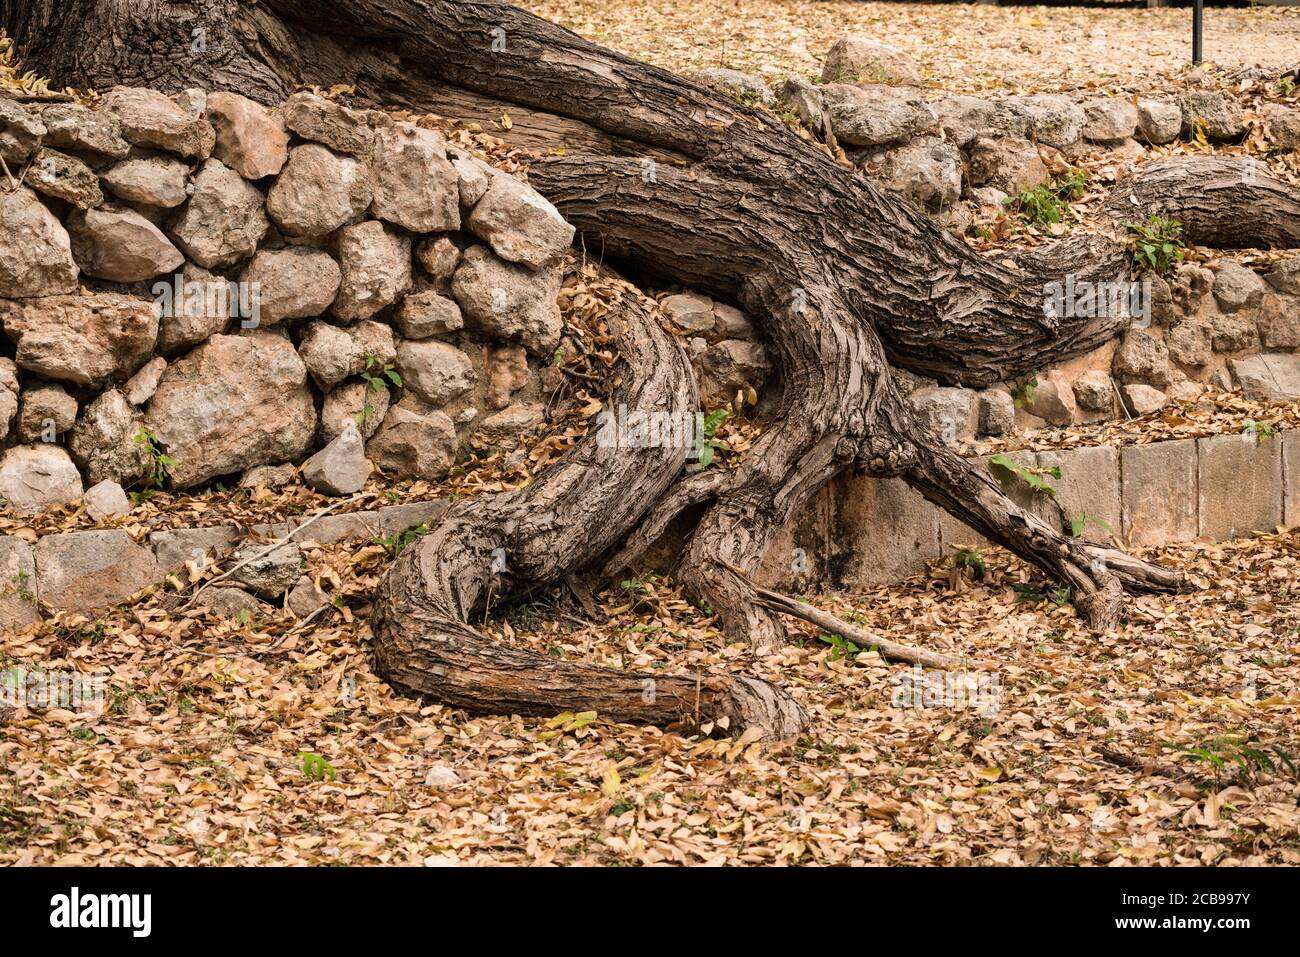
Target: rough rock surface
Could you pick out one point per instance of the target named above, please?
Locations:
(35, 252)
(85, 340)
(120, 245)
(340, 468)
(224, 220)
(520, 224)
(414, 441)
(248, 139)
(375, 264)
(505, 301)
(414, 185)
(233, 403)
(855, 59)
(148, 118)
(34, 477)
(296, 282)
(105, 441)
(318, 192)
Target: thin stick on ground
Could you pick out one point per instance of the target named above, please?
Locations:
(785, 605)
(267, 550)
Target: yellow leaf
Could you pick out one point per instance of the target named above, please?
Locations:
(609, 784)
(990, 774)
(505, 121)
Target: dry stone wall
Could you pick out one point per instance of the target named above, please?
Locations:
(236, 287)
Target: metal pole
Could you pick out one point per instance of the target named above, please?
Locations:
(1197, 32)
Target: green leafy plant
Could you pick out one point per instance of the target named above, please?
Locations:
(156, 471)
(1045, 205)
(1260, 430)
(1032, 476)
(379, 374)
(316, 767)
(1023, 391)
(1157, 244)
(1285, 86)
(393, 544)
(841, 649)
(1080, 522)
(708, 449)
(1232, 751)
(973, 559)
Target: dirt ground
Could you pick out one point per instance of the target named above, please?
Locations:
(1171, 741)
(961, 47)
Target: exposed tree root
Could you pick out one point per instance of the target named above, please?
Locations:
(493, 546)
(843, 280)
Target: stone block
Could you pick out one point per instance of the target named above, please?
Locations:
(331, 529)
(1158, 490)
(1089, 483)
(397, 518)
(173, 547)
(17, 585)
(1239, 482)
(881, 531)
(1291, 478)
(796, 559)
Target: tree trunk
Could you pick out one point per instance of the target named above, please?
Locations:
(843, 279)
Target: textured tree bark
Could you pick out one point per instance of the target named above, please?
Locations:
(843, 279)
(573, 513)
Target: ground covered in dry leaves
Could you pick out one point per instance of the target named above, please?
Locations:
(961, 47)
(1172, 741)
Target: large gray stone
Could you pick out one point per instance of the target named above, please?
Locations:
(173, 547)
(292, 283)
(881, 531)
(375, 263)
(318, 192)
(17, 585)
(35, 252)
(224, 219)
(414, 185)
(1217, 112)
(104, 441)
(414, 441)
(120, 245)
(71, 126)
(65, 177)
(1273, 376)
(855, 59)
(35, 477)
(233, 403)
(501, 300)
(1047, 118)
(158, 181)
(435, 371)
(148, 118)
(85, 340)
(520, 224)
(87, 571)
(340, 468)
(876, 115)
(1089, 488)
